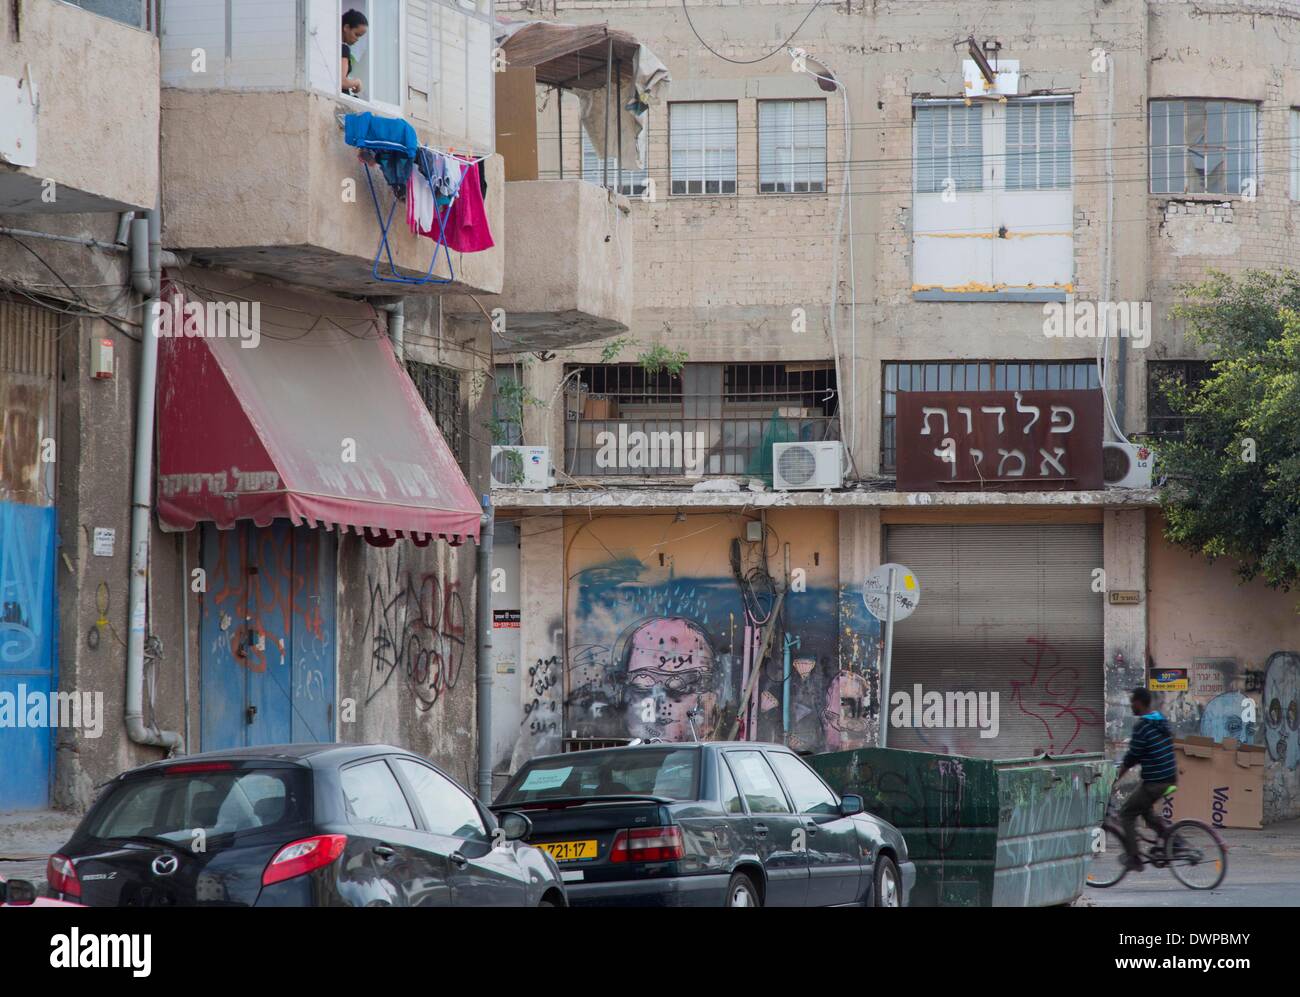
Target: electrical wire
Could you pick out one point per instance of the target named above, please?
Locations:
(749, 62)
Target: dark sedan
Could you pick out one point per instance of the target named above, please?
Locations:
(722, 824)
(299, 825)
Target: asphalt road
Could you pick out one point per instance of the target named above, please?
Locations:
(1263, 871)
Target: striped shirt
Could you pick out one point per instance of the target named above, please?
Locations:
(1152, 748)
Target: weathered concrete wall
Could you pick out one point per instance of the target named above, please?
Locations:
(1124, 548)
(1240, 644)
(299, 208)
(97, 122)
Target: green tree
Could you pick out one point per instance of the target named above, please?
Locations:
(1233, 480)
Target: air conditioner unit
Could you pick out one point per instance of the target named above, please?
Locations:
(812, 466)
(1127, 465)
(522, 467)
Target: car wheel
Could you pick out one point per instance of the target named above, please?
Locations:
(889, 890)
(741, 892)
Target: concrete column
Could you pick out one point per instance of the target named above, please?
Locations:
(1124, 538)
(859, 643)
(541, 636)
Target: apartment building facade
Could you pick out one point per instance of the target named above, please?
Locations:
(913, 229)
(179, 179)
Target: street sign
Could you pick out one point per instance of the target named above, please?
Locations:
(875, 592)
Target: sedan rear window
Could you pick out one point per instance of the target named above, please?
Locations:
(173, 807)
(670, 773)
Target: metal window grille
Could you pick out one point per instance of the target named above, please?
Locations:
(439, 387)
(734, 411)
(1162, 419)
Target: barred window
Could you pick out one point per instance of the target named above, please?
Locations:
(1038, 144)
(1202, 147)
(1162, 419)
(949, 146)
(439, 387)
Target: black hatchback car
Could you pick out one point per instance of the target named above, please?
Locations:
(299, 825)
(719, 824)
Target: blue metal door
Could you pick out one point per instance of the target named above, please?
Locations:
(267, 636)
(27, 654)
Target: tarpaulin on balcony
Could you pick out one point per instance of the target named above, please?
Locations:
(294, 406)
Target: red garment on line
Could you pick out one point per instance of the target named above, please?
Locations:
(467, 223)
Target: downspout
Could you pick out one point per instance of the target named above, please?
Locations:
(483, 672)
(396, 309)
(146, 279)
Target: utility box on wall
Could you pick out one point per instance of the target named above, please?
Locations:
(1219, 782)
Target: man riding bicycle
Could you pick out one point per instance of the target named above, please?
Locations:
(1151, 748)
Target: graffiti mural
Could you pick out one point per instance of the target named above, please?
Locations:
(661, 639)
(1281, 704)
(414, 630)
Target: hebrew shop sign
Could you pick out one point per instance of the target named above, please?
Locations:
(1028, 440)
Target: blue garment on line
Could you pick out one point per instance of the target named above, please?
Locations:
(373, 131)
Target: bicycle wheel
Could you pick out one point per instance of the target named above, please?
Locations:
(1107, 867)
(1195, 856)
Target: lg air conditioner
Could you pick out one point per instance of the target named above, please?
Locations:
(522, 467)
(811, 466)
(1126, 465)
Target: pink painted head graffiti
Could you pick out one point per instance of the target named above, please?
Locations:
(669, 671)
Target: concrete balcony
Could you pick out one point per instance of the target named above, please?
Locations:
(569, 266)
(262, 181)
(78, 111)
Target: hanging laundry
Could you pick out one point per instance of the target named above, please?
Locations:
(421, 214)
(391, 142)
(467, 223)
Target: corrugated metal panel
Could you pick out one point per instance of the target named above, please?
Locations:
(1005, 609)
(29, 337)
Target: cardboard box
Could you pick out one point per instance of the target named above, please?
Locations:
(1221, 783)
(599, 407)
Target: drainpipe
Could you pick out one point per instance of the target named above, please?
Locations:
(483, 673)
(146, 278)
(396, 309)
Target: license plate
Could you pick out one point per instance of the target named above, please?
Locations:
(570, 851)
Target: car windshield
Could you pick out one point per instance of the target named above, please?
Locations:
(174, 807)
(666, 772)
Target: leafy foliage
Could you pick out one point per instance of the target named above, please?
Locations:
(1233, 486)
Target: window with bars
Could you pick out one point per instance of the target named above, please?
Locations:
(975, 375)
(737, 411)
(1203, 147)
(702, 140)
(791, 146)
(1162, 418)
(507, 425)
(593, 168)
(439, 387)
(949, 147)
(1038, 144)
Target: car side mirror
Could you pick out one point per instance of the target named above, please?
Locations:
(514, 825)
(17, 893)
(851, 804)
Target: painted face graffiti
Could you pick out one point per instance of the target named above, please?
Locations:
(669, 672)
(845, 716)
(1282, 708)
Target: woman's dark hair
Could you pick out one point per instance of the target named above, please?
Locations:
(354, 19)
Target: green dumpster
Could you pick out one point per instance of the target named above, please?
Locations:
(983, 833)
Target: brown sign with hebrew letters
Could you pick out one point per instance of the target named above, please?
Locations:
(1017, 440)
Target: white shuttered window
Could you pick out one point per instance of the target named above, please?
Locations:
(791, 146)
(703, 142)
(949, 148)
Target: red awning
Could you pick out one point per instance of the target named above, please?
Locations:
(300, 411)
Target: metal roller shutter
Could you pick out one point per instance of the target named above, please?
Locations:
(1005, 609)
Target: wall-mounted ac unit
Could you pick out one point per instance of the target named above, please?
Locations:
(812, 466)
(522, 467)
(1126, 465)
